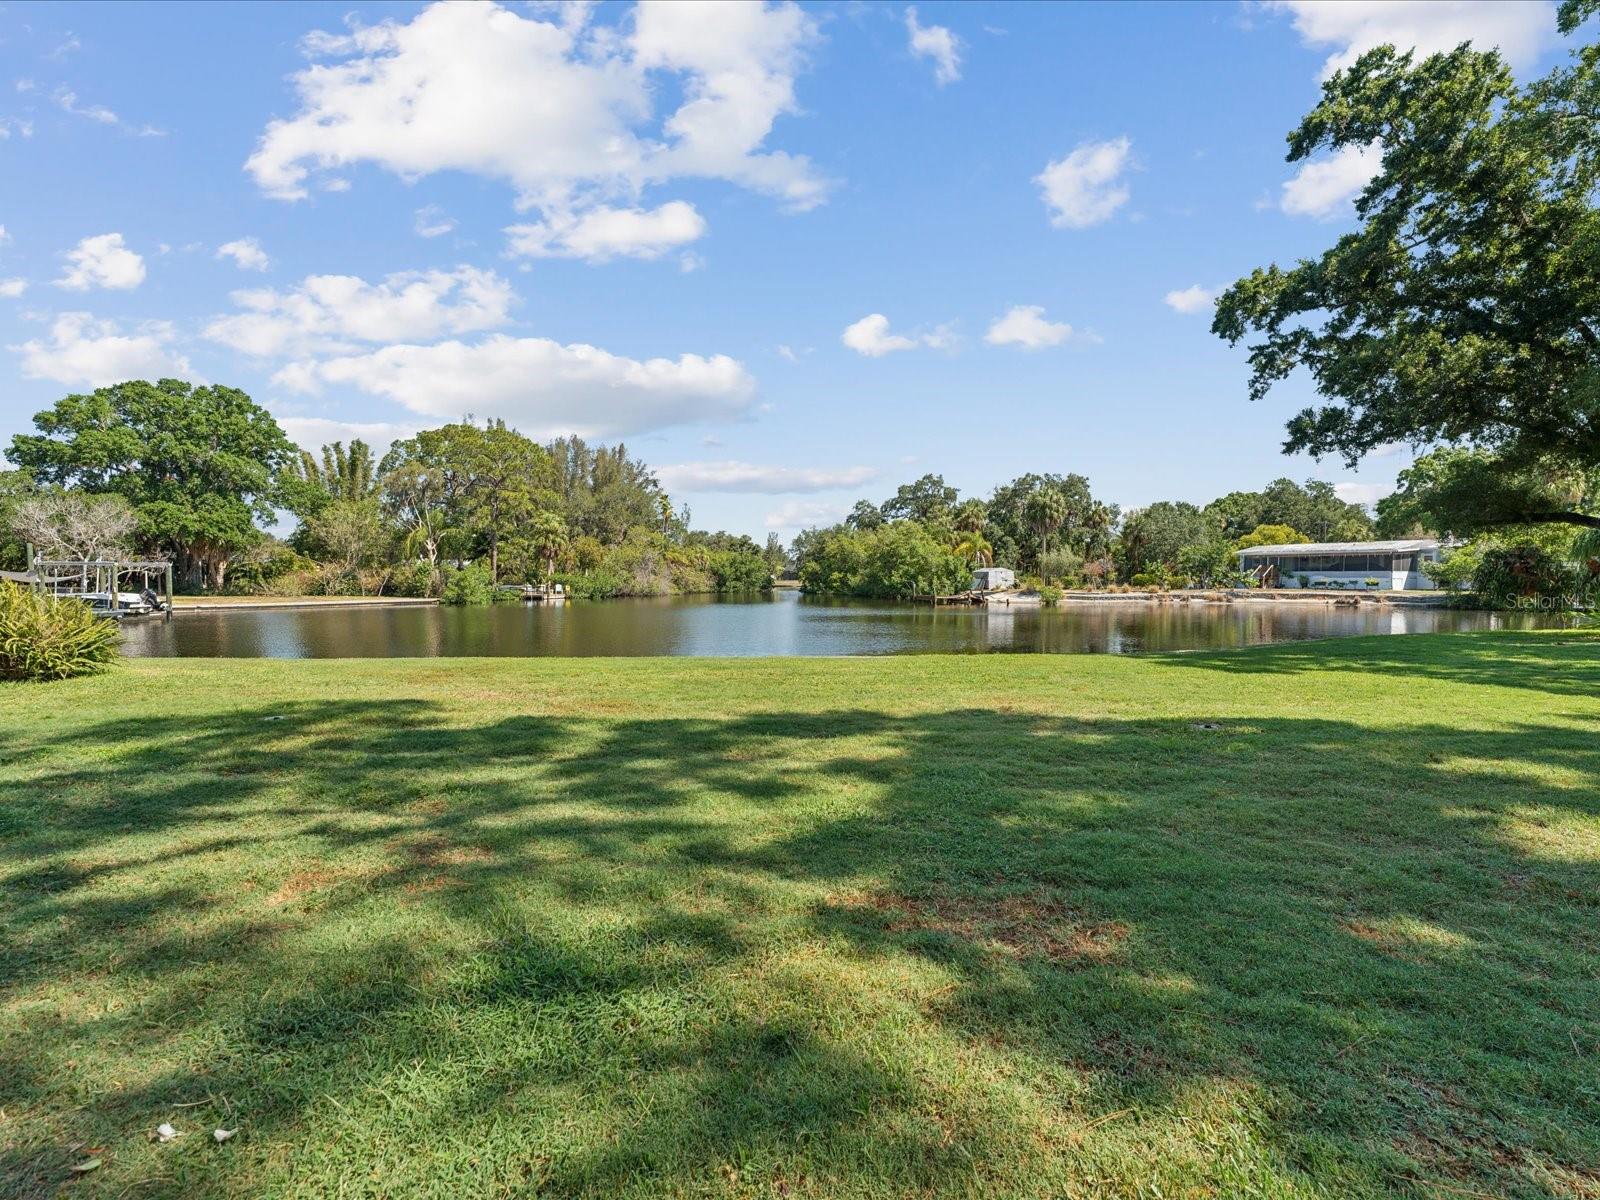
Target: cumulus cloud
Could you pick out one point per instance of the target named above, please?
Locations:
(604, 233)
(563, 111)
(804, 514)
(103, 262)
(328, 313)
(1024, 325)
(1325, 187)
(1193, 299)
(1521, 31)
(82, 350)
(732, 476)
(542, 387)
(431, 222)
(246, 253)
(315, 432)
(870, 336)
(937, 43)
(1086, 187)
(1362, 493)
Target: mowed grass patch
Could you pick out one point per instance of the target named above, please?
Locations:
(1314, 920)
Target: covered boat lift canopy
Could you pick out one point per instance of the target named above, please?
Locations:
(96, 580)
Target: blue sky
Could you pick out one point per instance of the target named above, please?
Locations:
(791, 256)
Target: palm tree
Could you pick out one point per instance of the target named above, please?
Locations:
(548, 534)
(1047, 509)
(970, 517)
(976, 549)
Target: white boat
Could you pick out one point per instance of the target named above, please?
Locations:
(125, 604)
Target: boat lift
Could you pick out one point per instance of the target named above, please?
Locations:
(98, 582)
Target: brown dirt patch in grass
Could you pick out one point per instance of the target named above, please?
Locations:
(1385, 941)
(430, 861)
(303, 883)
(435, 850)
(1021, 926)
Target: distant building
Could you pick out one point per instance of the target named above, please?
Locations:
(993, 579)
(1395, 565)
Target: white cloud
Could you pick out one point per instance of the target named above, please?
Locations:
(10, 289)
(1024, 325)
(1362, 493)
(431, 222)
(1521, 30)
(316, 432)
(93, 112)
(246, 253)
(1086, 187)
(91, 352)
(787, 353)
(540, 386)
(604, 233)
(870, 336)
(939, 44)
(327, 313)
(1324, 187)
(732, 476)
(8, 125)
(805, 514)
(102, 261)
(563, 111)
(1193, 299)
(100, 114)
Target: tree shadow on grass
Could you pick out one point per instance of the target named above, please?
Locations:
(966, 952)
(1556, 662)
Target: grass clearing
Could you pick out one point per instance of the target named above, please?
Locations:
(1309, 920)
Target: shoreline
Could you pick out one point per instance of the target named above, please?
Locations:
(247, 603)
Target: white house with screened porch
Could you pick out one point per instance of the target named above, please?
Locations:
(1395, 566)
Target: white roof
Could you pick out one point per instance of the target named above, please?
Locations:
(1405, 546)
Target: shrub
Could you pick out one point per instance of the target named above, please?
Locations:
(896, 560)
(264, 568)
(469, 585)
(1061, 566)
(1521, 574)
(334, 581)
(1050, 594)
(1455, 570)
(43, 638)
(1145, 579)
(417, 579)
(596, 584)
(739, 571)
(1374, 583)
(1209, 564)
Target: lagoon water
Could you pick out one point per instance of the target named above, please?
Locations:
(785, 624)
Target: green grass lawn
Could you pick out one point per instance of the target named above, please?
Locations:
(1314, 920)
